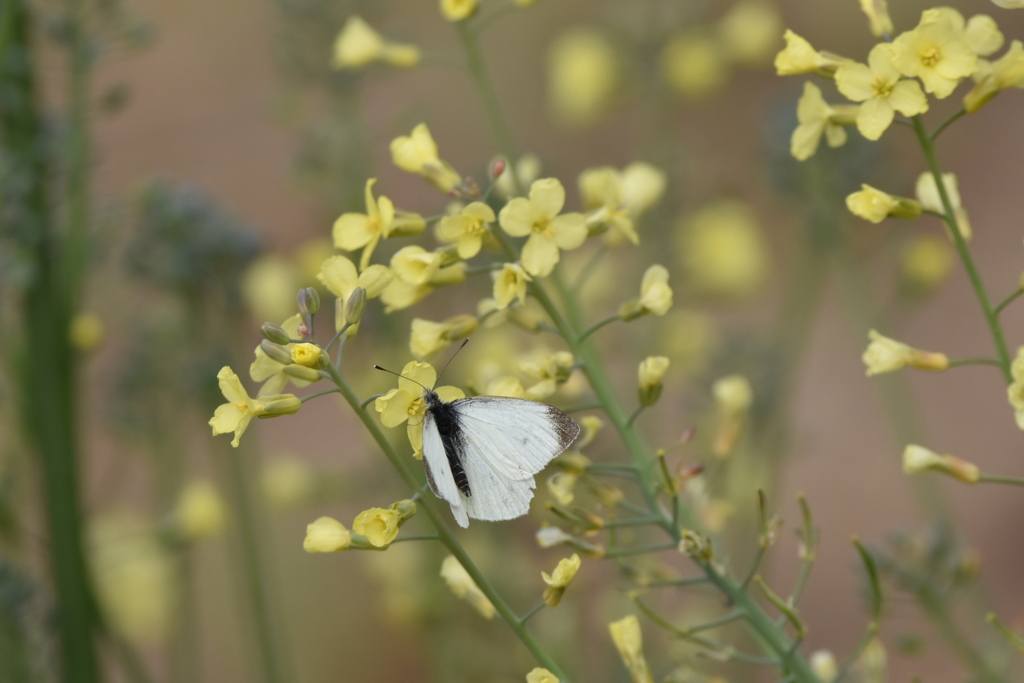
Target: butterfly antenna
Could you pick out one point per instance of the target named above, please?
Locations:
(461, 346)
(377, 367)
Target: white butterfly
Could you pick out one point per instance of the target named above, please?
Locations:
(481, 453)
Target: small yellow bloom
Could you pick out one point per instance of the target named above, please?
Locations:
(417, 153)
(1015, 392)
(86, 331)
(358, 44)
(733, 397)
(363, 230)
(873, 205)
(551, 369)
(306, 354)
(200, 512)
(879, 86)
(379, 525)
(817, 118)
(287, 482)
(326, 535)
(560, 579)
(877, 12)
(582, 75)
(888, 355)
(400, 294)
(937, 52)
(723, 250)
(694, 65)
(428, 337)
(561, 485)
(511, 387)
(271, 372)
(406, 403)
(468, 228)
(798, 57)
(457, 10)
(617, 198)
(823, 663)
(926, 262)
(927, 191)
(539, 675)
(629, 642)
(918, 459)
(538, 217)
(340, 277)
(235, 415)
(655, 295)
(510, 285)
(650, 375)
(1010, 4)
(749, 31)
(415, 265)
(1005, 72)
(462, 584)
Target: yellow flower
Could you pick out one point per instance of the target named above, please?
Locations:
(415, 265)
(798, 57)
(981, 33)
(513, 388)
(357, 45)
(936, 52)
(551, 369)
(548, 232)
(877, 12)
(457, 10)
(582, 76)
(268, 286)
(401, 294)
(271, 372)
(723, 250)
(823, 663)
(733, 396)
(86, 331)
(750, 31)
(417, 153)
(286, 482)
(406, 403)
(235, 415)
(363, 230)
(873, 205)
(379, 525)
(1005, 72)
(305, 354)
(816, 118)
(655, 295)
(629, 642)
(326, 535)
(650, 374)
(561, 485)
(1015, 391)
(200, 512)
(925, 263)
(468, 228)
(510, 284)
(693, 65)
(1010, 4)
(918, 459)
(888, 355)
(428, 337)
(927, 191)
(539, 675)
(616, 198)
(560, 579)
(338, 274)
(462, 584)
(879, 86)
(527, 170)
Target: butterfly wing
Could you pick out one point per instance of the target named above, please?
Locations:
(495, 497)
(515, 437)
(439, 472)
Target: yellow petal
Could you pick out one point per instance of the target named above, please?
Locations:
(374, 280)
(339, 275)
(516, 217)
(540, 255)
(415, 371)
(449, 394)
(394, 407)
(547, 197)
(570, 230)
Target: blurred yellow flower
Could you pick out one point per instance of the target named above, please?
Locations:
(200, 512)
(1010, 4)
(688, 338)
(936, 52)
(417, 153)
(733, 397)
(86, 331)
(406, 403)
(723, 250)
(235, 415)
(888, 355)
(1005, 72)
(512, 387)
(879, 86)
(560, 579)
(650, 374)
(749, 31)
(415, 265)
(873, 205)
(799, 57)
(877, 12)
(510, 285)
(981, 32)
(268, 286)
(926, 262)
(462, 584)
(540, 675)
(538, 217)
(582, 76)
(400, 294)
(551, 369)
(286, 482)
(693, 65)
(363, 230)
(468, 228)
(927, 191)
(338, 274)
(457, 10)
(358, 44)
(629, 642)
(428, 337)
(655, 295)
(561, 485)
(918, 459)
(379, 525)
(1015, 391)
(326, 535)
(816, 118)
(617, 198)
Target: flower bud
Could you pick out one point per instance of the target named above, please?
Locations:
(280, 404)
(276, 351)
(918, 459)
(326, 535)
(322, 361)
(877, 12)
(355, 305)
(406, 510)
(306, 354)
(652, 370)
(312, 300)
(887, 355)
(560, 579)
(302, 298)
(873, 205)
(303, 373)
(497, 168)
(274, 333)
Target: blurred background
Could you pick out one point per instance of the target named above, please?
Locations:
(222, 146)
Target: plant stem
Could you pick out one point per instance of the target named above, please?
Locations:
(1008, 300)
(957, 362)
(928, 147)
(598, 325)
(533, 610)
(997, 479)
(946, 124)
(317, 395)
(429, 505)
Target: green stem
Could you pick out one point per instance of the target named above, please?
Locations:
(429, 505)
(598, 325)
(1008, 300)
(533, 610)
(946, 124)
(858, 650)
(317, 395)
(928, 147)
(956, 362)
(634, 415)
(997, 479)
(641, 550)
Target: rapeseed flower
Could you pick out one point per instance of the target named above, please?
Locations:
(877, 12)
(326, 535)
(799, 57)
(1005, 72)
(649, 379)
(616, 198)
(364, 230)
(888, 355)
(560, 579)
(235, 415)
(458, 10)
(873, 205)
(881, 90)
(338, 274)
(468, 228)
(428, 337)
(379, 525)
(462, 584)
(1015, 392)
(817, 118)
(538, 217)
(918, 459)
(629, 642)
(582, 76)
(937, 52)
(358, 44)
(927, 191)
(417, 153)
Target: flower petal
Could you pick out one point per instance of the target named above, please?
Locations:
(517, 217)
(908, 98)
(424, 373)
(873, 117)
(339, 275)
(394, 407)
(570, 230)
(540, 254)
(353, 230)
(856, 81)
(547, 196)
